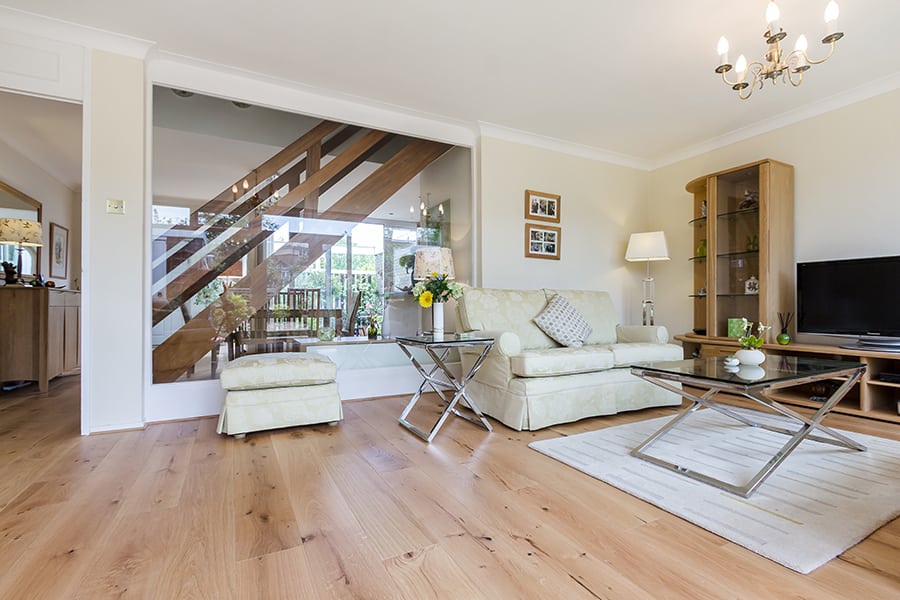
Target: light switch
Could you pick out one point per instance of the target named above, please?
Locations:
(115, 206)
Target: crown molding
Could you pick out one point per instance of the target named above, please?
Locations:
(557, 145)
(71, 33)
(860, 93)
(205, 77)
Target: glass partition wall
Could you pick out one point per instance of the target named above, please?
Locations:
(269, 229)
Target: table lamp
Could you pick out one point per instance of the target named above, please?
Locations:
(20, 232)
(647, 246)
(433, 259)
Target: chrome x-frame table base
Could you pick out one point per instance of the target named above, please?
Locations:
(438, 385)
(808, 424)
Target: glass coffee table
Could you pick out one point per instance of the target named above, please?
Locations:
(437, 347)
(753, 383)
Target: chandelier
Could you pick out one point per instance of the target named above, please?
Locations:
(777, 65)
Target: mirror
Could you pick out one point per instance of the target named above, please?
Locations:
(18, 205)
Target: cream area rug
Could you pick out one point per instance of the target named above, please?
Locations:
(822, 500)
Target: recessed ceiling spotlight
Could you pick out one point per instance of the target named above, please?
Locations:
(241, 104)
(182, 93)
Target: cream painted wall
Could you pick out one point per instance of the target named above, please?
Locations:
(59, 206)
(601, 206)
(113, 250)
(847, 192)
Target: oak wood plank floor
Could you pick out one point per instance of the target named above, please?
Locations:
(361, 510)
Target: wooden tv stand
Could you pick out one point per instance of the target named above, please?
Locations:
(870, 398)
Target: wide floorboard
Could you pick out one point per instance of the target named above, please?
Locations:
(360, 510)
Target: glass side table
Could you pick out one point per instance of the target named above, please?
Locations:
(437, 347)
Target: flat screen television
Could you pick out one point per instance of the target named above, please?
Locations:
(854, 297)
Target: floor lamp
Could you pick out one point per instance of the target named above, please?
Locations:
(647, 246)
(21, 232)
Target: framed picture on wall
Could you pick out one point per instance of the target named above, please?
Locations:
(59, 251)
(542, 207)
(542, 241)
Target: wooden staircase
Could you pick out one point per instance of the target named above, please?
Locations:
(232, 225)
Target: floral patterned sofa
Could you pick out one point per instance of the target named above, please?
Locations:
(529, 381)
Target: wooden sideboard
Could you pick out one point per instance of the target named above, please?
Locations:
(39, 334)
(873, 397)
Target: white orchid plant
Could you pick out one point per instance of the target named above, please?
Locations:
(748, 341)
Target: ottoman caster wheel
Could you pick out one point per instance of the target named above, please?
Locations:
(240, 436)
(333, 423)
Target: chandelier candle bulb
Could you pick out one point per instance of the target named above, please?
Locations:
(722, 50)
(800, 49)
(741, 67)
(832, 11)
(772, 16)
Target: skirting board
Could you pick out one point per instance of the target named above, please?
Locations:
(192, 399)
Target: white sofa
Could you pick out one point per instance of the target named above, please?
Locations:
(529, 381)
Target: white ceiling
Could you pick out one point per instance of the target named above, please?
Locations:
(633, 78)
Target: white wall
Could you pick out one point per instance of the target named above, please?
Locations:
(600, 206)
(113, 249)
(847, 193)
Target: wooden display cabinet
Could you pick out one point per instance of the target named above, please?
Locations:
(39, 335)
(743, 236)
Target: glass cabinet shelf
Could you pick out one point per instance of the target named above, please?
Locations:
(739, 213)
(737, 254)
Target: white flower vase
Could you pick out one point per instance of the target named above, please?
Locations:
(750, 356)
(437, 318)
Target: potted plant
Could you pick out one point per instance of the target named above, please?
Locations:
(750, 353)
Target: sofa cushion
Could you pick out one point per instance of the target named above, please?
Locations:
(563, 323)
(597, 309)
(629, 354)
(561, 361)
(277, 369)
(489, 309)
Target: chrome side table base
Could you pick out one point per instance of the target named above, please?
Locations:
(807, 424)
(440, 378)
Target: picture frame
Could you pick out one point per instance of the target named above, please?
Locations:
(540, 206)
(59, 251)
(542, 241)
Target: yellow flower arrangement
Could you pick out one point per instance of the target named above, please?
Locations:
(435, 288)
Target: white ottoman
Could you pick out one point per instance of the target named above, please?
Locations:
(283, 389)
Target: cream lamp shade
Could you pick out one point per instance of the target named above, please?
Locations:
(433, 259)
(21, 232)
(650, 245)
